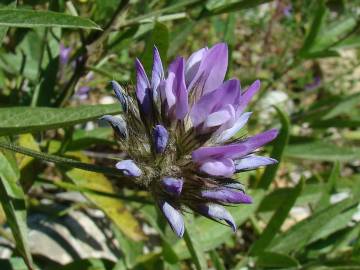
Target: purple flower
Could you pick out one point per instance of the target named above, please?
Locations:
(172, 185)
(173, 91)
(314, 84)
(181, 129)
(160, 136)
(64, 54)
(118, 124)
(129, 168)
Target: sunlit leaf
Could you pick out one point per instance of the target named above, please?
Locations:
(17, 120)
(31, 18)
(13, 203)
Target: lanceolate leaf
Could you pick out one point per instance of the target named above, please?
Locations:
(305, 232)
(13, 203)
(322, 150)
(217, 7)
(276, 221)
(31, 18)
(192, 241)
(16, 120)
(278, 150)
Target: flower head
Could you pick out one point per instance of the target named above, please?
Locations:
(178, 132)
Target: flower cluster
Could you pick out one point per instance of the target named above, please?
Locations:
(178, 130)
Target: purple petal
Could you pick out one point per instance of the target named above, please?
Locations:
(226, 195)
(221, 117)
(234, 151)
(174, 218)
(118, 124)
(160, 137)
(172, 185)
(193, 64)
(227, 93)
(248, 95)
(212, 68)
(218, 167)
(120, 94)
(217, 212)
(157, 74)
(143, 88)
(129, 168)
(64, 54)
(174, 92)
(252, 162)
(239, 124)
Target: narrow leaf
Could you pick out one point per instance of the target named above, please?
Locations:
(13, 203)
(300, 234)
(31, 18)
(276, 221)
(192, 241)
(16, 120)
(324, 200)
(278, 150)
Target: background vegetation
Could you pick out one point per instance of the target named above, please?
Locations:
(56, 60)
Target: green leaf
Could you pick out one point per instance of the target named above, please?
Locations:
(224, 6)
(345, 105)
(275, 260)
(112, 207)
(16, 120)
(193, 243)
(216, 260)
(13, 203)
(322, 151)
(31, 18)
(307, 231)
(324, 200)
(331, 34)
(130, 249)
(316, 25)
(87, 264)
(278, 150)
(4, 29)
(277, 220)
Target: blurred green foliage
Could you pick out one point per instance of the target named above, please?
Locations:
(306, 211)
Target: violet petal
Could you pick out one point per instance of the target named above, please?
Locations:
(226, 195)
(237, 150)
(218, 167)
(193, 64)
(174, 92)
(118, 124)
(120, 94)
(212, 68)
(174, 218)
(172, 185)
(129, 168)
(157, 74)
(143, 88)
(227, 94)
(160, 137)
(217, 212)
(251, 162)
(239, 124)
(248, 95)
